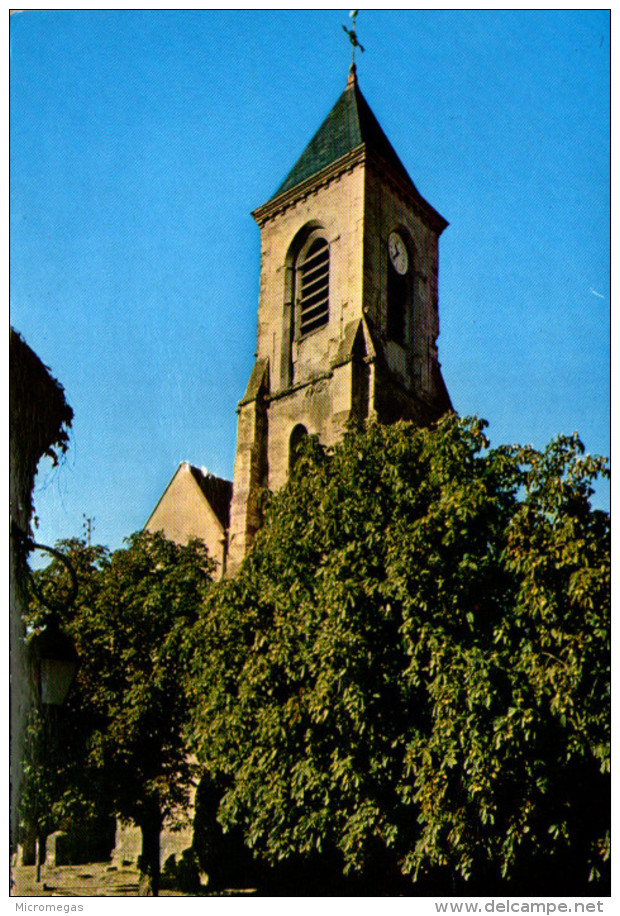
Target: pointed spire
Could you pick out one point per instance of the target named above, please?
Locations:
(349, 125)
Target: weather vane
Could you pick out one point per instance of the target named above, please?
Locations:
(353, 36)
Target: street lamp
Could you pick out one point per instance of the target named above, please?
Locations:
(55, 662)
(52, 651)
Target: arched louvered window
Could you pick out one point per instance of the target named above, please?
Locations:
(312, 283)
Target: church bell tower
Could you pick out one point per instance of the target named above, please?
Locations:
(348, 308)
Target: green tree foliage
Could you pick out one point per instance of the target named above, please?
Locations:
(132, 611)
(412, 666)
(61, 785)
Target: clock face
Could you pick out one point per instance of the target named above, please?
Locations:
(398, 253)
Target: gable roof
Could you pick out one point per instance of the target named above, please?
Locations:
(216, 491)
(349, 125)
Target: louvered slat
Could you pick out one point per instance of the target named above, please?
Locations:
(314, 288)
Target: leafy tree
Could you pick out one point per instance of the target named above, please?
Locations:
(61, 786)
(128, 624)
(411, 669)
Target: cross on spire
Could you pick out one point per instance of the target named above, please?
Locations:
(353, 39)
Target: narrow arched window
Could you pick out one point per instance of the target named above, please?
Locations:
(297, 437)
(312, 285)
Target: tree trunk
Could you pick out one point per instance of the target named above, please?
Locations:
(149, 859)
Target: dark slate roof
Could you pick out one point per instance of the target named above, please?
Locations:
(349, 124)
(217, 491)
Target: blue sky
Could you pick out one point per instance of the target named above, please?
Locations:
(141, 141)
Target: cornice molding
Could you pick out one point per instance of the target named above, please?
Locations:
(322, 178)
(360, 156)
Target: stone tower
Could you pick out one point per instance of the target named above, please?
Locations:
(348, 310)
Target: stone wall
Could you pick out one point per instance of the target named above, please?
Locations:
(337, 207)
(183, 513)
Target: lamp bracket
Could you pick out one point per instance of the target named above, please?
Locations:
(29, 544)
